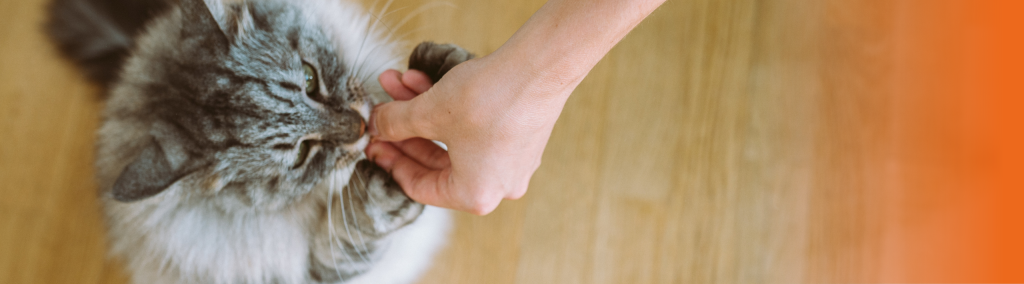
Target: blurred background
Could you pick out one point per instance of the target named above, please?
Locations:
(722, 141)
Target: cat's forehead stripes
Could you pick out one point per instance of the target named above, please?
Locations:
(244, 107)
(277, 52)
(237, 107)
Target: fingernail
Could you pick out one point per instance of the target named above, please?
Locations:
(372, 128)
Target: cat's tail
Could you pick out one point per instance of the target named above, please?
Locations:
(98, 34)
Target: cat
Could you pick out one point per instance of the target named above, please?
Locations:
(230, 149)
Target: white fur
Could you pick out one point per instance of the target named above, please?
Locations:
(165, 240)
(212, 246)
(412, 249)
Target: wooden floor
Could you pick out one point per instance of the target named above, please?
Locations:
(721, 141)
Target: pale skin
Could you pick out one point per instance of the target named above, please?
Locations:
(495, 113)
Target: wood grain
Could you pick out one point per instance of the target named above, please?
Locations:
(721, 141)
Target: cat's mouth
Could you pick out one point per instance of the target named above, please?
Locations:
(349, 138)
(363, 107)
(346, 134)
(310, 147)
(354, 150)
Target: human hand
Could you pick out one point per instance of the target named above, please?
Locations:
(494, 128)
(496, 112)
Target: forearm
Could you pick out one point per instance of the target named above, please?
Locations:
(563, 40)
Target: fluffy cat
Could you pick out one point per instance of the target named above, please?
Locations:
(231, 144)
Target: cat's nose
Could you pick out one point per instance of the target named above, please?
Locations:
(345, 127)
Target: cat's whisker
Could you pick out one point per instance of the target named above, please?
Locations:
(366, 190)
(362, 254)
(270, 228)
(412, 31)
(360, 68)
(363, 67)
(384, 15)
(383, 41)
(382, 12)
(332, 182)
(355, 69)
(366, 34)
(391, 34)
(374, 6)
(370, 30)
(380, 69)
(370, 75)
(388, 38)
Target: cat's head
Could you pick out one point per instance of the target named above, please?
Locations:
(260, 100)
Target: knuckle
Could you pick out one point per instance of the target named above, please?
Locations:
(483, 203)
(482, 209)
(517, 193)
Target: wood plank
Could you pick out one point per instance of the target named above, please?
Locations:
(721, 141)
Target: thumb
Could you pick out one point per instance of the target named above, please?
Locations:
(395, 121)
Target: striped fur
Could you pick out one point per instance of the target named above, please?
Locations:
(197, 152)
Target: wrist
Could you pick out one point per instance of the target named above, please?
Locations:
(565, 39)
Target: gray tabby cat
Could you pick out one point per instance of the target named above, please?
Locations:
(231, 144)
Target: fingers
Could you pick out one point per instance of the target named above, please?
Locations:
(417, 81)
(396, 121)
(384, 154)
(391, 81)
(422, 184)
(422, 168)
(435, 187)
(404, 87)
(431, 186)
(425, 152)
(517, 193)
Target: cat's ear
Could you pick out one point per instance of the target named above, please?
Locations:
(199, 23)
(163, 161)
(149, 174)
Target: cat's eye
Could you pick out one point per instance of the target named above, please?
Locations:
(312, 82)
(300, 157)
